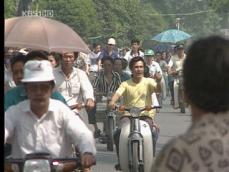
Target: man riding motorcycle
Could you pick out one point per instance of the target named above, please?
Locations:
(42, 124)
(137, 92)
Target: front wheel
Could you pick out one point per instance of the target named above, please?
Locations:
(182, 107)
(136, 165)
(110, 129)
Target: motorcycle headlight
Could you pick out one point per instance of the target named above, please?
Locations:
(135, 112)
(37, 165)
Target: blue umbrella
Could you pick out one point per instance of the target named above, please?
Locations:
(162, 47)
(171, 36)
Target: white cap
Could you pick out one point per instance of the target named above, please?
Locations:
(23, 51)
(111, 41)
(38, 71)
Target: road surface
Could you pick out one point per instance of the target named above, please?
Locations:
(171, 123)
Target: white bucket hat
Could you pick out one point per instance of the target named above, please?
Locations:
(38, 71)
(111, 41)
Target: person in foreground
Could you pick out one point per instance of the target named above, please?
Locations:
(136, 92)
(205, 145)
(42, 124)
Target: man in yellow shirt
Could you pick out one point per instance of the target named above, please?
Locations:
(136, 92)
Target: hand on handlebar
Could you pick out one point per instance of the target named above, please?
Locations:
(158, 76)
(90, 104)
(111, 105)
(87, 160)
(77, 106)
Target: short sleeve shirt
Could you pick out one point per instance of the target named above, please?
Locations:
(138, 94)
(76, 88)
(204, 147)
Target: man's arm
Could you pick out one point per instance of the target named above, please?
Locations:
(158, 87)
(81, 135)
(9, 123)
(85, 84)
(114, 99)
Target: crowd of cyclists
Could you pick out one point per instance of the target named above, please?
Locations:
(81, 78)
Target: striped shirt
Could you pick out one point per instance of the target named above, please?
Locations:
(101, 84)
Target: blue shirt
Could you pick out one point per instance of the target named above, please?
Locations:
(124, 76)
(104, 53)
(18, 94)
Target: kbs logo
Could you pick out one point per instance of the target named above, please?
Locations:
(44, 13)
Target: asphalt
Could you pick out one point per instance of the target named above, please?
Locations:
(171, 122)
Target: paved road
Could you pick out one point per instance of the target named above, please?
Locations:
(171, 122)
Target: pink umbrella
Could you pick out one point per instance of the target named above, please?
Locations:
(43, 34)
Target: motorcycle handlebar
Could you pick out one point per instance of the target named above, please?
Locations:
(69, 164)
(22, 160)
(147, 108)
(78, 106)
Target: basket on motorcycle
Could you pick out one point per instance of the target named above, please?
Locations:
(101, 108)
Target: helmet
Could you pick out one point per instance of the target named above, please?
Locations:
(149, 52)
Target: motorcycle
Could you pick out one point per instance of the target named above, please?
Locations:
(109, 119)
(137, 143)
(42, 162)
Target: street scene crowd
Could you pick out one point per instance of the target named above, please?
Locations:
(45, 92)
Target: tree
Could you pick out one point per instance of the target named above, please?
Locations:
(78, 14)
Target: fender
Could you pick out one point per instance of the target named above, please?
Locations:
(147, 146)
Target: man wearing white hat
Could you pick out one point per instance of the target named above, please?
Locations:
(42, 124)
(109, 50)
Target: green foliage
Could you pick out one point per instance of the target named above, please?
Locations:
(9, 8)
(128, 19)
(78, 14)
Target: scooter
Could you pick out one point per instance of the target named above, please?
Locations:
(42, 162)
(137, 144)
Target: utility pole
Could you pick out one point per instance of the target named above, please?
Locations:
(23, 5)
(178, 23)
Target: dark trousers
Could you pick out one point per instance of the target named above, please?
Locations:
(91, 115)
(7, 149)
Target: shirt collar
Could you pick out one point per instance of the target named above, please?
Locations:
(26, 107)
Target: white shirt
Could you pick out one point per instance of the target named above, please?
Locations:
(74, 88)
(154, 67)
(204, 147)
(53, 133)
(93, 61)
(178, 62)
(8, 80)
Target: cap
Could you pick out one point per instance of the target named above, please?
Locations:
(180, 46)
(149, 52)
(111, 41)
(23, 51)
(38, 71)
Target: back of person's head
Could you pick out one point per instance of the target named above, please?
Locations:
(107, 58)
(124, 63)
(95, 45)
(135, 60)
(146, 72)
(17, 57)
(135, 41)
(206, 74)
(37, 55)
